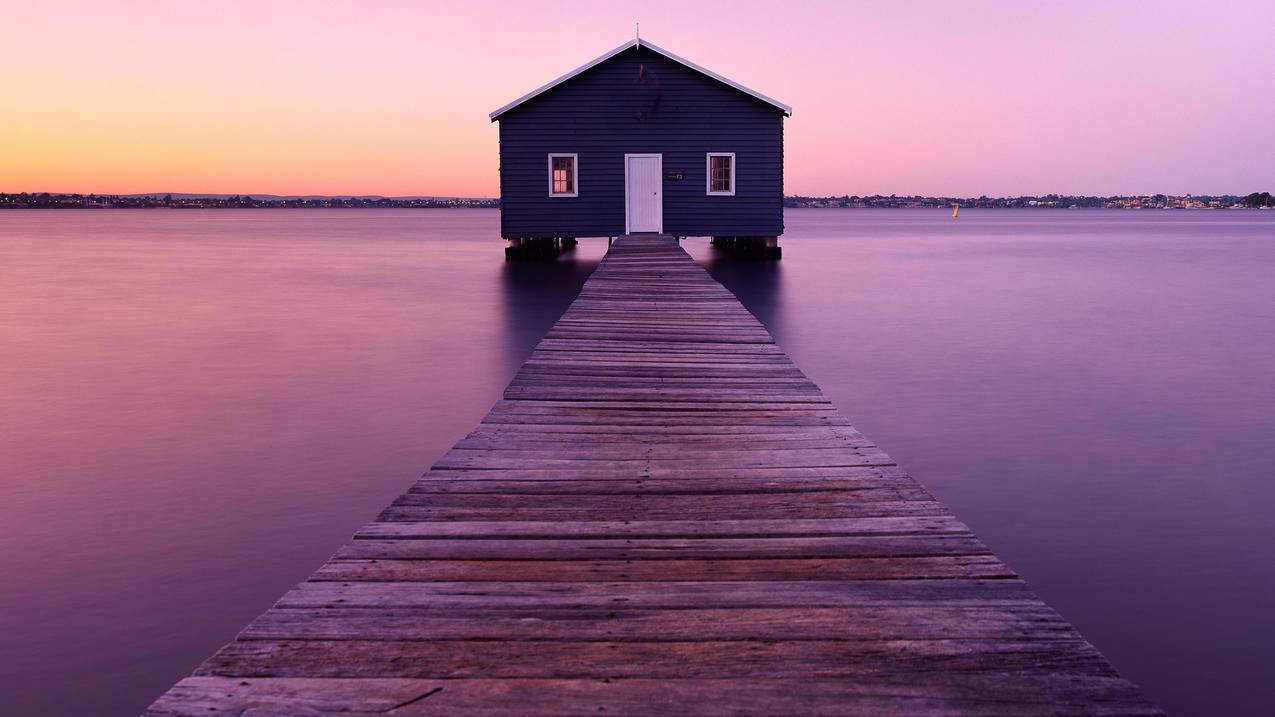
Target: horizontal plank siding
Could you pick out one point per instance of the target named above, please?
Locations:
(663, 515)
(605, 113)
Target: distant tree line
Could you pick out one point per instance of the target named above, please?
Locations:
(1149, 201)
(46, 200)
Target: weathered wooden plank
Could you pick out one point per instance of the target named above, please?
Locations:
(594, 446)
(861, 502)
(606, 471)
(729, 432)
(874, 622)
(697, 529)
(750, 397)
(974, 567)
(867, 489)
(722, 506)
(848, 457)
(666, 659)
(660, 595)
(942, 694)
(640, 548)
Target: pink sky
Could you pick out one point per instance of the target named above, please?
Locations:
(392, 98)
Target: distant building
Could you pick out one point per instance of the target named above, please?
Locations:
(641, 140)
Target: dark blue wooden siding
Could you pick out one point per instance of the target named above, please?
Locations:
(596, 115)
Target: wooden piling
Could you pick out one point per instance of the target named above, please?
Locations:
(749, 247)
(663, 515)
(537, 248)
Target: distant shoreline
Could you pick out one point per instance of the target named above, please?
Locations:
(234, 201)
(1257, 200)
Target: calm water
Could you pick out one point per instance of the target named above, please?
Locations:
(198, 407)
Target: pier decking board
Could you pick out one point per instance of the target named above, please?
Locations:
(662, 516)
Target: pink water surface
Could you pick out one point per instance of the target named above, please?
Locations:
(198, 407)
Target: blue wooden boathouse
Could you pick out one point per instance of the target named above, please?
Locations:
(640, 140)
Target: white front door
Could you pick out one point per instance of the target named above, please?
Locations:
(643, 193)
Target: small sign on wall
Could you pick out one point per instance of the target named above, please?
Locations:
(673, 175)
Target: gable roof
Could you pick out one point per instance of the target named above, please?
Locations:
(635, 44)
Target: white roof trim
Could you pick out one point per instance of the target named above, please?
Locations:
(631, 45)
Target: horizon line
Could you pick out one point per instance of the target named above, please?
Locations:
(273, 195)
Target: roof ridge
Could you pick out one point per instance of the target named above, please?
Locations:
(637, 43)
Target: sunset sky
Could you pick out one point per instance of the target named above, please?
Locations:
(392, 97)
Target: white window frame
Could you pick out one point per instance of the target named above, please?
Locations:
(708, 171)
(575, 174)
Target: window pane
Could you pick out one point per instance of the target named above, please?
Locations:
(719, 168)
(564, 180)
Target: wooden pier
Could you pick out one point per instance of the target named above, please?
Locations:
(662, 516)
